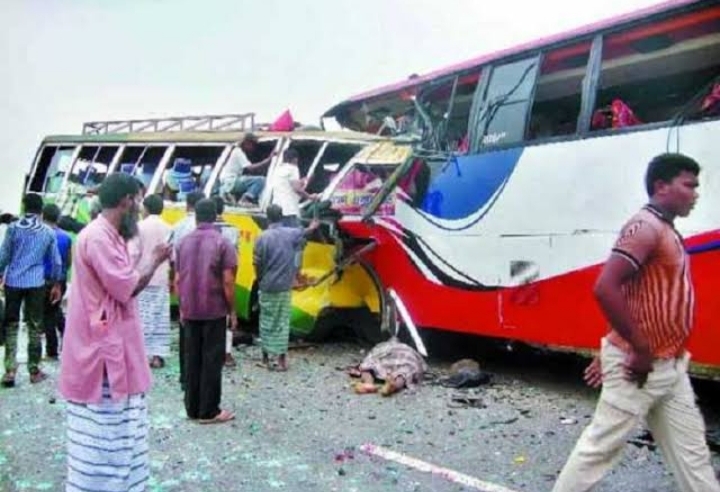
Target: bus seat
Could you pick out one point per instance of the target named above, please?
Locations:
(180, 178)
(127, 167)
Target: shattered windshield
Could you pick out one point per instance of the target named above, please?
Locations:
(355, 189)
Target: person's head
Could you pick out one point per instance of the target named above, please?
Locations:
(192, 198)
(32, 203)
(219, 205)
(153, 204)
(51, 214)
(6, 218)
(118, 195)
(291, 156)
(671, 182)
(274, 213)
(205, 212)
(248, 143)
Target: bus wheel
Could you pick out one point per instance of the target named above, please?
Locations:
(359, 321)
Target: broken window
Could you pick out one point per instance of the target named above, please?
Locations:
(51, 168)
(557, 102)
(333, 159)
(650, 72)
(503, 104)
(307, 153)
(92, 165)
(447, 109)
(359, 185)
(188, 169)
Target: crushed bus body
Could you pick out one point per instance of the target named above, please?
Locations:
(173, 162)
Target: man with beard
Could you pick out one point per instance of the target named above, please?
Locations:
(104, 373)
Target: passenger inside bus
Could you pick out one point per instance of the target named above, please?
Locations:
(358, 187)
(711, 103)
(616, 115)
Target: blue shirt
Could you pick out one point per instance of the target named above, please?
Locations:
(28, 242)
(64, 244)
(274, 257)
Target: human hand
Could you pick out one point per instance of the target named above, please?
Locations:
(161, 252)
(637, 365)
(593, 374)
(232, 322)
(55, 294)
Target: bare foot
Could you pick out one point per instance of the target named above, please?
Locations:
(364, 388)
(282, 363)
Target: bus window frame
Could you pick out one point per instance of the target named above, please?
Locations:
(214, 175)
(481, 102)
(66, 178)
(100, 146)
(36, 162)
(162, 164)
(591, 80)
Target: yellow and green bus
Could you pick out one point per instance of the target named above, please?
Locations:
(341, 290)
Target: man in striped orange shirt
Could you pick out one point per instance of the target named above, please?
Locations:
(646, 294)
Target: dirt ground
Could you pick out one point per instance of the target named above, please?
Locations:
(305, 430)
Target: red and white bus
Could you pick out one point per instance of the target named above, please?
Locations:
(528, 161)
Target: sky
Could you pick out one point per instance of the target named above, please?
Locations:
(65, 62)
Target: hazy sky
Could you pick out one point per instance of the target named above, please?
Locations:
(65, 62)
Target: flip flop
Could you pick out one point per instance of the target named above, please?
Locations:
(221, 418)
(8, 380)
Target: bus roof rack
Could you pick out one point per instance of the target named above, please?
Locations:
(236, 122)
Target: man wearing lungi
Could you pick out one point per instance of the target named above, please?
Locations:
(205, 268)
(154, 300)
(276, 268)
(104, 373)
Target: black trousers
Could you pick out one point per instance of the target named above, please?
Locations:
(53, 321)
(204, 346)
(31, 300)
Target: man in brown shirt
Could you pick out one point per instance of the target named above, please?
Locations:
(646, 293)
(206, 264)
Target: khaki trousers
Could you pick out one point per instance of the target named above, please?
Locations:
(667, 404)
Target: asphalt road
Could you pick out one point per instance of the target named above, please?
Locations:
(306, 431)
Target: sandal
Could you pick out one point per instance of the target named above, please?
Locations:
(8, 380)
(221, 418)
(157, 362)
(37, 377)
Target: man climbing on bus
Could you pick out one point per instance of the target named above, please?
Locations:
(242, 182)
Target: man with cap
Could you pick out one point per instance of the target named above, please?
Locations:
(241, 178)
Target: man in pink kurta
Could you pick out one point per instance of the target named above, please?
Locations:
(104, 372)
(105, 334)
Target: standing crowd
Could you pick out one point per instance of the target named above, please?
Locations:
(118, 322)
(118, 326)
